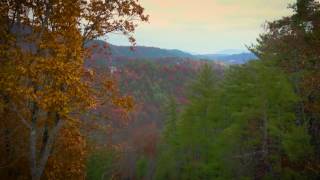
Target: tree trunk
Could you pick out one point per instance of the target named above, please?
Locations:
(33, 143)
(38, 159)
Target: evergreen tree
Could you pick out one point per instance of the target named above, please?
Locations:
(187, 150)
(263, 132)
(293, 44)
(244, 127)
(167, 157)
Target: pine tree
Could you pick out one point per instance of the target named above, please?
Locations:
(186, 154)
(262, 127)
(293, 44)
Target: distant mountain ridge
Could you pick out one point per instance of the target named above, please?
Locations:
(231, 51)
(144, 52)
(240, 58)
(147, 52)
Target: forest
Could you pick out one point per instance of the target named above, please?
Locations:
(71, 110)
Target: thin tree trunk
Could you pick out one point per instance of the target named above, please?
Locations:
(38, 167)
(48, 147)
(33, 143)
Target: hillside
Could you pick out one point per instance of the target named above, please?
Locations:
(143, 52)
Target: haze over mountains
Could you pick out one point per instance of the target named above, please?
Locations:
(143, 52)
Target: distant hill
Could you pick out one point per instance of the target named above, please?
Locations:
(102, 50)
(147, 52)
(230, 59)
(141, 52)
(231, 51)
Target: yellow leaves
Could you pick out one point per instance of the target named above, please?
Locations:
(109, 93)
(109, 85)
(52, 100)
(102, 17)
(69, 157)
(47, 70)
(21, 70)
(124, 102)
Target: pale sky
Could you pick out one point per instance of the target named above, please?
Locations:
(204, 26)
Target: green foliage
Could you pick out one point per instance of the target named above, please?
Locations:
(292, 44)
(297, 143)
(99, 164)
(260, 103)
(240, 127)
(171, 118)
(142, 167)
(185, 148)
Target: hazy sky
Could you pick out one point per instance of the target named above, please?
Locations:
(204, 26)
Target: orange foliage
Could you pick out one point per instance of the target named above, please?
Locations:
(69, 155)
(44, 85)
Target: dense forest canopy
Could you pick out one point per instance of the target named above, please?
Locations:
(69, 109)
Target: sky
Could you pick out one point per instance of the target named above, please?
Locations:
(204, 26)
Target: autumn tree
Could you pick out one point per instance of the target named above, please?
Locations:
(150, 83)
(43, 83)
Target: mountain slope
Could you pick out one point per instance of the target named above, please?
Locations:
(147, 52)
(101, 49)
(138, 52)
